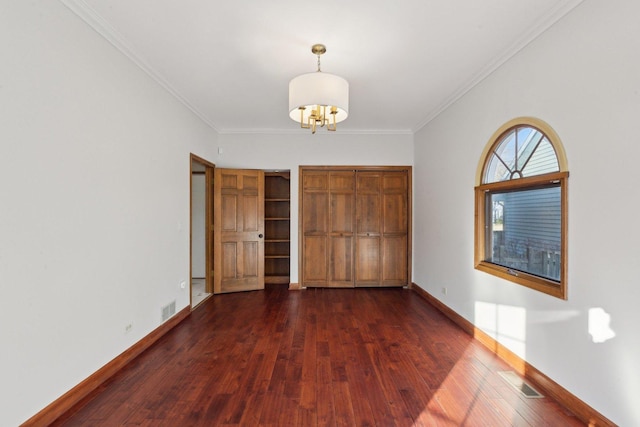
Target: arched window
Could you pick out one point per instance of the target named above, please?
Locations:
(521, 207)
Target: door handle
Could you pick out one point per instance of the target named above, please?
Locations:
(260, 236)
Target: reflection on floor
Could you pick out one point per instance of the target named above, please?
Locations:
(197, 292)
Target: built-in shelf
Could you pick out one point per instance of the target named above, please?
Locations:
(277, 246)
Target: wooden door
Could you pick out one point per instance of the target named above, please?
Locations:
(355, 226)
(328, 219)
(209, 238)
(368, 229)
(394, 248)
(238, 230)
(340, 236)
(314, 228)
(382, 228)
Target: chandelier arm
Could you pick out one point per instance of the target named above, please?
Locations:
(302, 125)
(334, 111)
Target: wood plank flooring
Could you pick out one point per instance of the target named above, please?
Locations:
(317, 357)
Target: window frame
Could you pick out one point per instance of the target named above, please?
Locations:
(548, 286)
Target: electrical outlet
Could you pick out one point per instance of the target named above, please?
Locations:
(128, 328)
(183, 284)
(444, 291)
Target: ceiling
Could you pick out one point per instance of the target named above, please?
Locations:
(406, 61)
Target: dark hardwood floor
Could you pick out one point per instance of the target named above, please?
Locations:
(317, 357)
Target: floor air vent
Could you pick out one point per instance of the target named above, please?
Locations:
(519, 384)
(168, 310)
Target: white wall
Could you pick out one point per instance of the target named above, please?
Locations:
(198, 221)
(583, 78)
(289, 151)
(94, 203)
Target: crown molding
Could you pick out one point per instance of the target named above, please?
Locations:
(102, 27)
(544, 23)
(298, 131)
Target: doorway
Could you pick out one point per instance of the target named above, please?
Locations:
(200, 230)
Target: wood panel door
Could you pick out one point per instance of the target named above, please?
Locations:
(368, 229)
(327, 228)
(238, 230)
(382, 230)
(314, 228)
(355, 226)
(394, 247)
(342, 190)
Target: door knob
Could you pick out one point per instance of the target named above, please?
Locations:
(260, 236)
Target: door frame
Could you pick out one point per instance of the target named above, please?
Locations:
(209, 169)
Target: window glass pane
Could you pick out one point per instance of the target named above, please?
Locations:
(507, 151)
(543, 160)
(528, 139)
(523, 151)
(525, 230)
(496, 171)
(525, 134)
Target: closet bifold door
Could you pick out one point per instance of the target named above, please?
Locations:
(342, 191)
(355, 226)
(381, 228)
(328, 219)
(314, 224)
(368, 229)
(395, 229)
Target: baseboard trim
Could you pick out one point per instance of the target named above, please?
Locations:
(65, 402)
(294, 286)
(546, 385)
